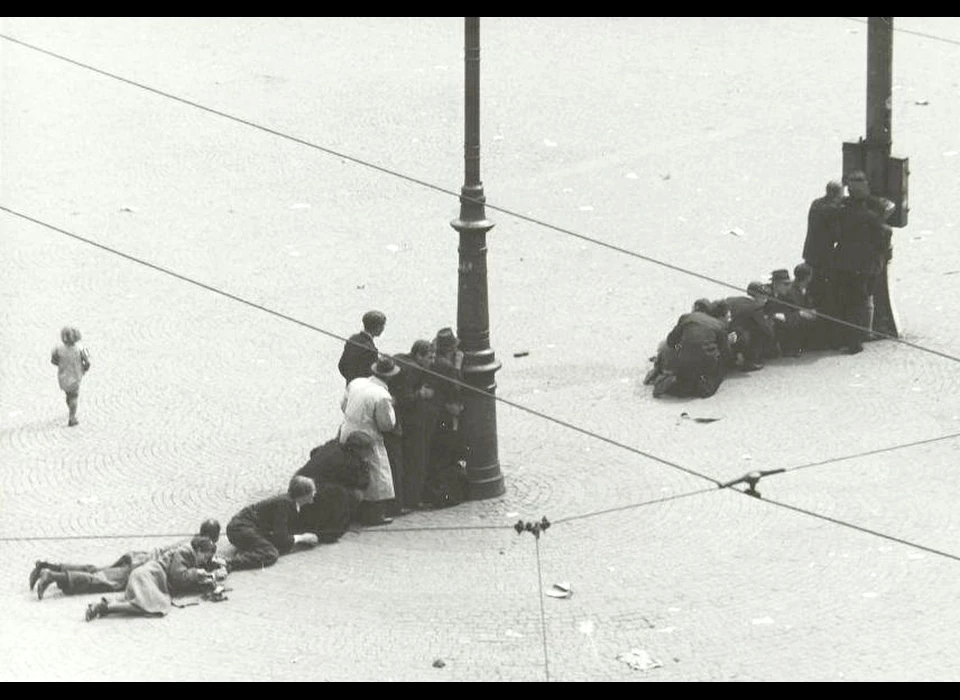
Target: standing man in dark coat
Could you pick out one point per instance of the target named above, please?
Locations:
(703, 349)
(860, 256)
(263, 531)
(823, 232)
(417, 415)
(360, 352)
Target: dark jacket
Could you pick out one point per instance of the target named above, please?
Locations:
(701, 340)
(331, 464)
(863, 243)
(359, 353)
(823, 231)
(274, 518)
(749, 314)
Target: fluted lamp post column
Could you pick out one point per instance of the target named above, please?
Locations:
(479, 419)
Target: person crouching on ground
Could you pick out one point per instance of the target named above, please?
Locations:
(72, 362)
(263, 531)
(702, 344)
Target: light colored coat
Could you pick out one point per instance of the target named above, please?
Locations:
(368, 408)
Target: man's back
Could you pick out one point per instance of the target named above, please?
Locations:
(823, 230)
(359, 353)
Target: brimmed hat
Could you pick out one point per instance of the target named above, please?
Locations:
(780, 276)
(446, 340)
(385, 367)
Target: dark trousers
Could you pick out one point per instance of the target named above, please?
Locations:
(254, 551)
(90, 579)
(853, 297)
(417, 436)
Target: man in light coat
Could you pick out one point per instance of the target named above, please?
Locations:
(368, 408)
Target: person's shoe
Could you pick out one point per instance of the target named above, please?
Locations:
(382, 521)
(43, 583)
(663, 385)
(37, 568)
(95, 610)
(651, 376)
(72, 422)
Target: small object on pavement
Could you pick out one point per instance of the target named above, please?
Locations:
(439, 663)
(522, 353)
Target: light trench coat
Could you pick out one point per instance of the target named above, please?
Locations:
(368, 408)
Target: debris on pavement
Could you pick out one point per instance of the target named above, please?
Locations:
(736, 231)
(549, 143)
(698, 420)
(129, 210)
(560, 590)
(922, 103)
(439, 663)
(762, 620)
(665, 176)
(639, 660)
(511, 633)
(392, 247)
(522, 353)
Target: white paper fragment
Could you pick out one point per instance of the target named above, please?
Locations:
(674, 609)
(512, 515)
(293, 254)
(666, 629)
(639, 660)
(870, 594)
(762, 621)
(914, 555)
(632, 176)
(950, 154)
(548, 142)
(586, 207)
(300, 205)
(586, 627)
(736, 231)
(130, 210)
(511, 633)
(498, 137)
(747, 457)
(393, 248)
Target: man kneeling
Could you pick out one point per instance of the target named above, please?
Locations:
(263, 531)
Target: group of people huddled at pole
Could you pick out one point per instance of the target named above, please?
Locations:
(828, 305)
(398, 449)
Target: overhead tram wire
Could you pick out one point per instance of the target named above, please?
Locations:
(330, 334)
(460, 196)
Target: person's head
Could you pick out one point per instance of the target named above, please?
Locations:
(721, 310)
(385, 368)
(858, 185)
(204, 548)
(374, 322)
(802, 274)
(834, 190)
(301, 490)
(446, 343)
(759, 291)
(210, 528)
(702, 305)
(780, 282)
(423, 352)
(69, 335)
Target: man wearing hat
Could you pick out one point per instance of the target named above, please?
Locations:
(448, 362)
(368, 408)
(360, 351)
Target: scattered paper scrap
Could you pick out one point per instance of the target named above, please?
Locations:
(560, 590)
(130, 210)
(951, 272)
(522, 353)
(698, 420)
(674, 609)
(762, 620)
(586, 627)
(736, 232)
(393, 248)
(439, 663)
(639, 660)
(950, 154)
(632, 176)
(870, 594)
(548, 142)
(300, 205)
(665, 176)
(922, 103)
(586, 207)
(511, 633)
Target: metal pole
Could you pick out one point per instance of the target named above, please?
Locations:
(878, 143)
(479, 420)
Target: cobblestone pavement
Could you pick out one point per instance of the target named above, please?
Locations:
(655, 135)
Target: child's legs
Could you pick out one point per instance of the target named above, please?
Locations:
(72, 399)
